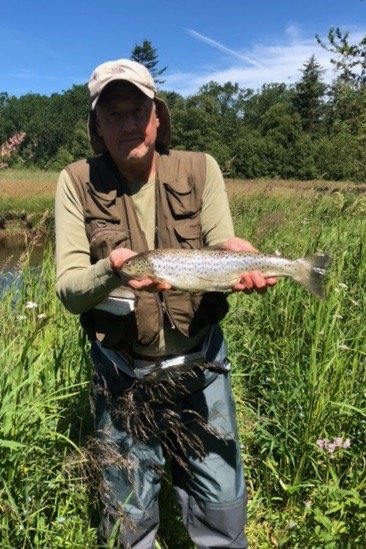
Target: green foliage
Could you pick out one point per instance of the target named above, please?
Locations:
(257, 104)
(308, 98)
(43, 418)
(288, 131)
(299, 371)
(147, 55)
(350, 59)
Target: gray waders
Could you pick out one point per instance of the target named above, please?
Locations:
(208, 480)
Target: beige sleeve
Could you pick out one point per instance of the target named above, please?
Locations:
(79, 285)
(216, 221)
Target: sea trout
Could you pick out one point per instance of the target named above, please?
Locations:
(209, 269)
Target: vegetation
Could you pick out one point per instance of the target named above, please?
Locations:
(146, 54)
(32, 191)
(306, 130)
(298, 375)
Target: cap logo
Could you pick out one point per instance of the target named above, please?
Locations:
(116, 70)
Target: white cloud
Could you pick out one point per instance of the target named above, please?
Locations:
(223, 48)
(263, 63)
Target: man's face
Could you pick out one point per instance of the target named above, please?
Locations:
(127, 122)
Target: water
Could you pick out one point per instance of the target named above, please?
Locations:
(12, 254)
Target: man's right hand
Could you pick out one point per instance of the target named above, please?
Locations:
(116, 260)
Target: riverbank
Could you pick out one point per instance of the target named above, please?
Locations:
(26, 210)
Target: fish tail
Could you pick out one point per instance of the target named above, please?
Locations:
(312, 273)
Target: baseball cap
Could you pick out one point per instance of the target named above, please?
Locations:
(138, 75)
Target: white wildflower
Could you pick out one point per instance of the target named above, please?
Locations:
(331, 447)
(343, 347)
(31, 305)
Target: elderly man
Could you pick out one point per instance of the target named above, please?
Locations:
(136, 195)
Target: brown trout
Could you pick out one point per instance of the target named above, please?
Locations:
(208, 269)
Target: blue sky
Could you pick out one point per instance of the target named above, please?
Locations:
(50, 45)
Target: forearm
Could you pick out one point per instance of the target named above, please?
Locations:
(80, 285)
(82, 289)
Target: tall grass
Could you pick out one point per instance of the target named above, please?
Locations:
(43, 418)
(299, 370)
(299, 377)
(31, 191)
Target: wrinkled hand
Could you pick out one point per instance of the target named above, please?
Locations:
(116, 260)
(248, 282)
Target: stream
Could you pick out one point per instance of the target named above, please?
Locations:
(12, 253)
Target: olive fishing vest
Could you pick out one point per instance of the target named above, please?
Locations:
(111, 222)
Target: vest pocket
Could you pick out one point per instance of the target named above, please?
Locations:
(188, 233)
(105, 238)
(181, 197)
(101, 205)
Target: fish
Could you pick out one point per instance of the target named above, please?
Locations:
(216, 270)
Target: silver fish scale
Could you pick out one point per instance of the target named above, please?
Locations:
(212, 269)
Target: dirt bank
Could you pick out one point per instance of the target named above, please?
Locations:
(20, 229)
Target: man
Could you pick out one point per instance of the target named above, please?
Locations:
(136, 195)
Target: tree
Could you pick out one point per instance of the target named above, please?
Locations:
(257, 104)
(350, 60)
(3, 105)
(308, 98)
(147, 55)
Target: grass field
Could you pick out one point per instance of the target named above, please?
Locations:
(30, 189)
(299, 379)
(29, 192)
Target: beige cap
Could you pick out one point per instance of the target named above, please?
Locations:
(138, 75)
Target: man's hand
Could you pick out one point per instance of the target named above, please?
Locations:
(116, 260)
(248, 282)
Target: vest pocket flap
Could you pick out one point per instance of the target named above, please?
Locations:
(101, 205)
(106, 238)
(181, 197)
(182, 185)
(188, 229)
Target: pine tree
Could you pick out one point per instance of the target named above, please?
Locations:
(147, 55)
(308, 98)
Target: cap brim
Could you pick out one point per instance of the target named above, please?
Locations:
(145, 90)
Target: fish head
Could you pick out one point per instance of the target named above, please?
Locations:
(137, 266)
